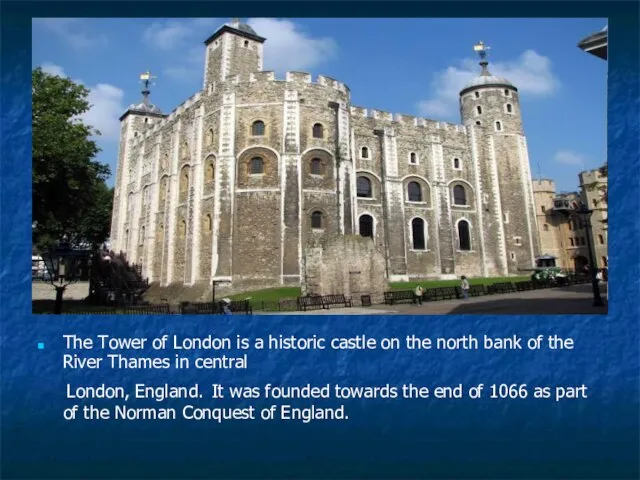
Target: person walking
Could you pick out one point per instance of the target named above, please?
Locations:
(226, 304)
(602, 277)
(464, 286)
(418, 292)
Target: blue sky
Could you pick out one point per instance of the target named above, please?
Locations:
(411, 66)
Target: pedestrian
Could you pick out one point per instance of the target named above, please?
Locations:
(226, 304)
(602, 277)
(418, 292)
(464, 286)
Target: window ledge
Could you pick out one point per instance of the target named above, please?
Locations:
(460, 206)
(256, 174)
(465, 251)
(365, 198)
(419, 251)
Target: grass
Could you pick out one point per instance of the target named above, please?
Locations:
(275, 294)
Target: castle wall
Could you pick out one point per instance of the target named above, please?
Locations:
(187, 182)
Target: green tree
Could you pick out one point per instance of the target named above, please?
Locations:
(70, 196)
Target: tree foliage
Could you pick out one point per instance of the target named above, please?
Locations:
(70, 196)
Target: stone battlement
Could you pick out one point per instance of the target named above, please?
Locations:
(401, 118)
(543, 185)
(291, 77)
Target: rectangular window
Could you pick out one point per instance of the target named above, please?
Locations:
(518, 240)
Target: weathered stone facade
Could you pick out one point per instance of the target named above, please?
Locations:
(236, 182)
(565, 236)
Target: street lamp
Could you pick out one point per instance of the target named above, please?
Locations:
(585, 214)
(62, 263)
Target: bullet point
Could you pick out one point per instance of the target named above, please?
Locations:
(40, 346)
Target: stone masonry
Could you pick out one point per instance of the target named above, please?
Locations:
(237, 182)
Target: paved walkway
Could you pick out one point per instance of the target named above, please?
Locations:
(577, 299)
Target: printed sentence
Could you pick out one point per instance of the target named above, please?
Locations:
(291, 342)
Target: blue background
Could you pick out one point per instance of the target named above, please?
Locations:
(593, 438)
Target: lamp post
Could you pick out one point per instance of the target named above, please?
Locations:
(585, 214)
(62, 263)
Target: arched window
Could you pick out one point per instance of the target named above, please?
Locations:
(509, 108)
(477, 94)
(160, 231)
(257, 166)
(209, 137)
(417, 230)
(545, 227)
(459, 195)
(498, 126)
(316, 166)
(209, 173)
(364, 153)
(316, 219)
(464, 239)
(479, 110)
(257, 129)
(415, 192)
(184, 180)
(318, 131)
(507, 93)
(142, 236)
(183, 228)
(413, 158)
(208, 223)
(601, 239)
(456, 163)
(364, 187)
(185, 150)
(366, 226)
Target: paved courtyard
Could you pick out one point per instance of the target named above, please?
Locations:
(577, 299)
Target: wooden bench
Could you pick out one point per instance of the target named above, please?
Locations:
(147, 310)
(311, 302)
(336, 300)
(474, 291)
(502, 287)
(395, 296)
(441, 293)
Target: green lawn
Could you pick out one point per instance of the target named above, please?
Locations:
(274, 294)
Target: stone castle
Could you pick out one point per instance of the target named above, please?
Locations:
(240, 181)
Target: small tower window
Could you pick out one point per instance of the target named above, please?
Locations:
(464, 239)
(318, 131)
(479, 110)
(507, 93)
(605, 262)
(209, 174)
(316, 166)
(316, 220)
(257, 129)
(517, 240)
(459, 195)
(208, 223)
(257, 166)
(364, 153)
(364, 187)
(478, 122)
(365, 225)
(513, 256)
(509, 108)
(545, 227)
(456, 164)
(415, 192)
(498, 126)
(146, 120)
(505, 217)
(413, 158)
(601, 239)
(417, 230)
(246, 43)
(183, 229)
(477, 94)
(543, 209)
(142, 236)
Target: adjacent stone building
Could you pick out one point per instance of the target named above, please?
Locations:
(563, 234)
(238, 181)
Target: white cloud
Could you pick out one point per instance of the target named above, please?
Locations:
(569, 157)
(531, 73)
(105, 102)
(53, 69)
(288, 48)
(167, 34)
(72, 31)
